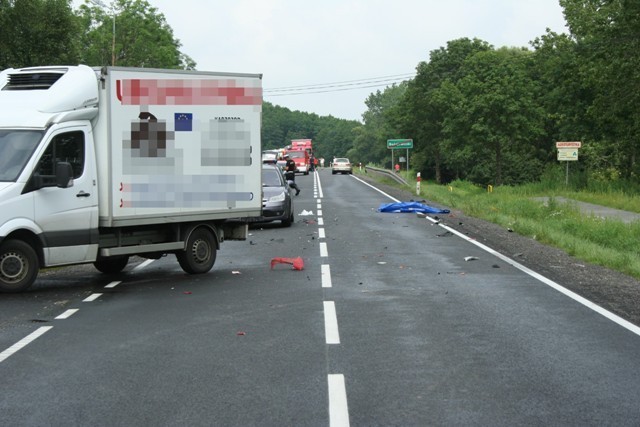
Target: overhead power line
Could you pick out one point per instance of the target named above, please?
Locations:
(338, 86)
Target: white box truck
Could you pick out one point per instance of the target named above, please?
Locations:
(97, 165)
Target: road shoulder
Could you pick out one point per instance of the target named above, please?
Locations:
(611, 290)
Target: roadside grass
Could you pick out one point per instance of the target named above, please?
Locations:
(607, 242)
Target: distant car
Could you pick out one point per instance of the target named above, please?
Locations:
(342, 165)
(270, 156)
(277, 203)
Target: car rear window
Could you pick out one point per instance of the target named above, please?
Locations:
(271, 178)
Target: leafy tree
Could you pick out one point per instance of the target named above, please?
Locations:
(606, 33)
(428, 101)
(500, 114)
(37, 32)
(381, 122)
(142, 36)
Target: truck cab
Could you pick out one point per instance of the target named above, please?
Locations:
(85, 167)
(301, 159)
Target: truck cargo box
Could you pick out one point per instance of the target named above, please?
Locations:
(177, 145)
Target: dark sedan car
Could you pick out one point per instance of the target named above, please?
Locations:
(277, 203)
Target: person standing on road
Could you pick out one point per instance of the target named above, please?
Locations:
(290, 173)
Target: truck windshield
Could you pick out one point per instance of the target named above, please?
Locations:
(16, 147)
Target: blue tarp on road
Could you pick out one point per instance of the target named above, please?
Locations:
(404, 207)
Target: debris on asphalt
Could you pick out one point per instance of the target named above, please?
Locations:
(297, 263)
(470, 258)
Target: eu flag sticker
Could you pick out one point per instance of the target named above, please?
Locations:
(183, 122)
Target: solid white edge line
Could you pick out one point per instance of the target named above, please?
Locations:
(325, 272)
(23, 342)
(377, 189)
(320, 193)
(67, 314)
(589, 304)
(331, 323)
(338, 408)
(323, 249)
(92, 298)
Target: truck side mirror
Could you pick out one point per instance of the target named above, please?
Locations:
(64, 175)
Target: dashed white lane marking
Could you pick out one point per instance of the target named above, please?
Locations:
(23, 342)
(323, 249)
(67, 314)
(113, 284)
(143, 265)
(325, 271)
(331, 323)
(338, 409)
(92, 297)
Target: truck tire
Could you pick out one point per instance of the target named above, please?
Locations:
(111, 265)
(18, 266)
(200, 254)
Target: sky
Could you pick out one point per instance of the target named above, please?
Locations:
(326, 57)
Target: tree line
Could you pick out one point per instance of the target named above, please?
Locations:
(45, 32)
(490, 115)
(493, 115)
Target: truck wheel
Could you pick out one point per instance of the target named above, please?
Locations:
(18, 266)
(200, 254)
(111, 265)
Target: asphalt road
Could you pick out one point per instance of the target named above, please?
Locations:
(386, 325)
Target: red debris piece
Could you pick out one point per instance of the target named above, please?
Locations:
(187, 292)
(298, 263)
(241, 333)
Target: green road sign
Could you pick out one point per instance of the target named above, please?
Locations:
(399, 143)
